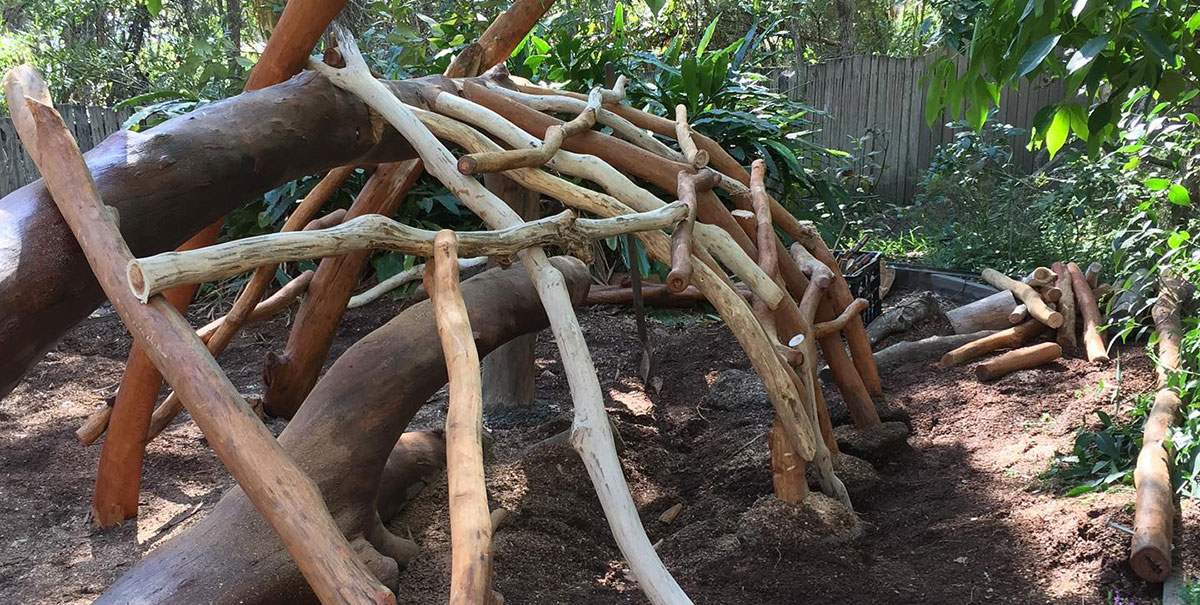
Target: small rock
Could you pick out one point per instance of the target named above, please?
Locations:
(735, 390)
(859, 477)
(877, 444)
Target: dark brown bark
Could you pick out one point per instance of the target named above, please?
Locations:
(342, 438)
(244, 146)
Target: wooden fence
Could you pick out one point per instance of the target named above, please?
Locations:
(90, 125)
(876, 104)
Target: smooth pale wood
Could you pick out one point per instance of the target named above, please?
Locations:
(290, 375)
(683, 133)
(621, 127)
(591, 435)
(712, 238)
(1154, 506)
(720, 159)
(840, 297)
(1092, 275)
(1019, 314)
(470, 521)
(499, 40)
(272, 306)
(414, 273)
(987, 313)
(284, 495)
(1018, 359)
(151, 275)
(1052, 294)
(499, 161)
(914, 351)
(656, 170)
(1090, 312)
(119, 473)
(1004, 339)
(813, 268)
(1066, 305)
(781, 388)
(1026, 294)
(681, 238)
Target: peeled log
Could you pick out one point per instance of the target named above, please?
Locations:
(1026, 294)
(1018, 359)
(246, 144)
(1066, 306)
(988, 313)
(1004, 339)
(371, 392)
(1154, 512)
(914, 351)
(1086, 302)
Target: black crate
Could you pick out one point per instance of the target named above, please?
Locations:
(864, 283)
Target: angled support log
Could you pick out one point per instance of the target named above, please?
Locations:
(470, 522)
(498, 41)
(1090, 312)
(96, 424)
(283, 494)
(291, 375)
(151, 275)
(371, 392)
(1018, 359)
(1027, 295)
(591, 434)
(247, 301)
(499, 161)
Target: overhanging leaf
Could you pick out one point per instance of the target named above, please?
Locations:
(1087, 52)
(1035, 55)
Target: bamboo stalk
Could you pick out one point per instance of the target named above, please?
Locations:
(284, 495)
(470, 522)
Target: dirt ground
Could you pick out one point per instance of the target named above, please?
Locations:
(959, 515)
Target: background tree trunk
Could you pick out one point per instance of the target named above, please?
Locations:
(508, 372)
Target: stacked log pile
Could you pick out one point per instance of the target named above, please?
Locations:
(1058, 301)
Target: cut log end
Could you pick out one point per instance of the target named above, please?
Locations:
(1151, 563)
(677, 281)
(137, 281)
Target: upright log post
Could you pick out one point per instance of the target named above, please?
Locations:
(470, 522)
(1066, 306)
(283, 494)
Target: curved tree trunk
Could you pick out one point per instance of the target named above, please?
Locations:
(169, 182)
(370, 393)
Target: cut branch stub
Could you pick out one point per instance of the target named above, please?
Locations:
(148, 276)
(681, 238)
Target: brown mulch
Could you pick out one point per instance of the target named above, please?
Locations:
(960, 517)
